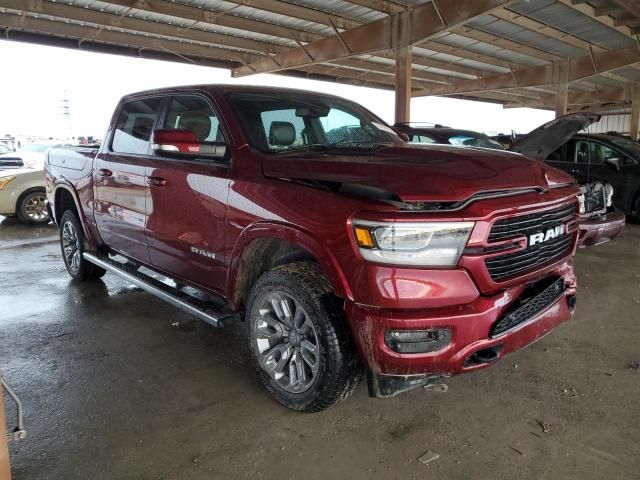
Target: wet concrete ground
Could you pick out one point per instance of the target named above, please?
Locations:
(113, 391)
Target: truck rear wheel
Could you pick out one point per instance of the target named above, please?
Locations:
(300, 340)
(72, 245)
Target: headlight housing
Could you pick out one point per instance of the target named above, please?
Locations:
(4, 181)
(425, 244)
(608, 194)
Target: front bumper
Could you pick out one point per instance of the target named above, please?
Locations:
(470, 326)
(600, 229)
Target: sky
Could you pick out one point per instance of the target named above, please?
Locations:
(35, 79)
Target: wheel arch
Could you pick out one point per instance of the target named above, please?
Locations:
(66, 198)
(264, 246)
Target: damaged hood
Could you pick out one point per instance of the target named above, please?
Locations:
(547, 138)
(413, 173)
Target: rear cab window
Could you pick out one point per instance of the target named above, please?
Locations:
(193, 112)
(135, 125)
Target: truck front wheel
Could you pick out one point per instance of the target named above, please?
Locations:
(300, 339)
(72, 245)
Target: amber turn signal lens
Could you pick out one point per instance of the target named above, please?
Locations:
(364, 237)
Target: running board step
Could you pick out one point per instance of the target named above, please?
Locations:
(210, 312)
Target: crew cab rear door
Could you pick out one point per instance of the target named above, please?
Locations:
(120, 178)
(187, 202)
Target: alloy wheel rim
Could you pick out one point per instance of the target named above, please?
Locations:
(71, 246)
(287, 342)
(36, 208)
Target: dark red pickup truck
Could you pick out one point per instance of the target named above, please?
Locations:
(345, 249)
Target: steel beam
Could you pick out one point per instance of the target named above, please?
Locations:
(631, 7)
(601, 96)
(578, 68)
(423, 22)
(403, 84)
(561, 83)
(635, 113)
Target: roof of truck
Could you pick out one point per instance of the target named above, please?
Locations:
(224, 88)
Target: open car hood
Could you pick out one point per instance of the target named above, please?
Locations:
(547, 138)
(421, 173)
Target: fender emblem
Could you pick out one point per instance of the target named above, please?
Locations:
(204, 253)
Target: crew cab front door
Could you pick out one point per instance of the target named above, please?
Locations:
(187, 203)
(120, 179)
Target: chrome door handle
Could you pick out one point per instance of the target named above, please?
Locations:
(157, 181)
(103, 172)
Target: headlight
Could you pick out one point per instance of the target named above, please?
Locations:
(5, 181)
(608, 194)
(581, 200)
(417, 244)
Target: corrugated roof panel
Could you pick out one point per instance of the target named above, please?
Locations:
(630, 73)
(569, 20)
(342, 8)
(170, 20)
(524, 36)
(450, 58)
(482, 66)
(440, 71)
(489, 49)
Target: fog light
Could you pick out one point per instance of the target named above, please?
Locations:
(417, 341)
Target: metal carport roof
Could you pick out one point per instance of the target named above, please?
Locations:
(499, 51)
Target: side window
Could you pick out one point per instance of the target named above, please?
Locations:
(422, 139)
(283, 128)
(558, 155)
(194, 113)
(593, 152)
(134, 126)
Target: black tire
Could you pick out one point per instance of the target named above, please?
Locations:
(72, 246)
(336, 371)
(31, 207)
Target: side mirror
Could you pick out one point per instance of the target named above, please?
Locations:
(613, 162)
(182, 142)
(401, 134)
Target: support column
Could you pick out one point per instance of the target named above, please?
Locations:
(403, 84)
(634, 122)
(561, 84)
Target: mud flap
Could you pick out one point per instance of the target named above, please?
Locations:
(381, 386)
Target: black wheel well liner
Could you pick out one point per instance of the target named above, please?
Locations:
(63, 201)
(262, 255)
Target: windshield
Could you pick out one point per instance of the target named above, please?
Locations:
(469, 140)
(34, 147)
(282, 122)
(630, 146)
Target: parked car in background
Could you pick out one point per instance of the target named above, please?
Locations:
(28, 156)
(340, 244)
(599, 222)
(22, 194)
(610, 158)
(446, 135)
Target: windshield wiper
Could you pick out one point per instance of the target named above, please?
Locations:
(315, 147)
(369, 145)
